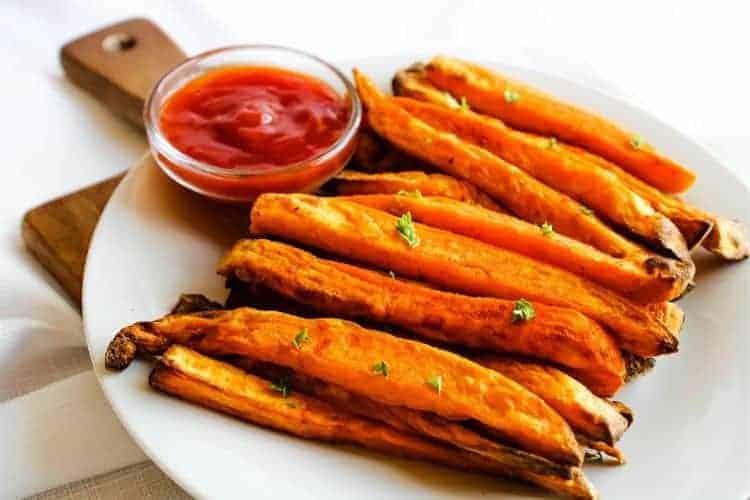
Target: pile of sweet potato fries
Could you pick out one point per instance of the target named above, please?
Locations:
(510, 260)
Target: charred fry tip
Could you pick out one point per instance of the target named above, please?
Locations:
(728, 239)
(680, 272)
(120, 352)
(412, 82)
(417, 67)
(671, 240)
(624, 410)
(131, 341)
(194, 302)
(668, 345)
(670, 268)
(616, 430)
(401, 78)
(637, 366)
(155, 374)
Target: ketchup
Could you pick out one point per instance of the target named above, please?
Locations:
(253, 118)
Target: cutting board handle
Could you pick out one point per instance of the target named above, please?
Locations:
(119, 64)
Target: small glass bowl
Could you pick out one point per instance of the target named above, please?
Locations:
(244, 185)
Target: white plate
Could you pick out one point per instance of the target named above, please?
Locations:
(690, 439)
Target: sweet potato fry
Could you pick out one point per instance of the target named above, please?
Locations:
(658, 279)
(587, 414)
(516, 190)
(193, 377)
(455, 263)
(542, 158)
(562, 336)
(419, 376)
(404, 419)
(453, 433)
(529, 109)
(350, 182)
(725, 237)
(413, 82)
(431, 425)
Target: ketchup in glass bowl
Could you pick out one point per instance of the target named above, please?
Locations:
(239, 121)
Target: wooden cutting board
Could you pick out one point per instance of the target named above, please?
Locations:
(118, 65)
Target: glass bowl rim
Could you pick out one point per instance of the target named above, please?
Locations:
(162, 146)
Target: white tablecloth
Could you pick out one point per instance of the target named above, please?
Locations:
(684, 63)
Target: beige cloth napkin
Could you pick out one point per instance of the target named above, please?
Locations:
(143, 480)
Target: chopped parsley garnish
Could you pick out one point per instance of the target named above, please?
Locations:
(382, 368)
(636, 142)
(436, 382)
(523, 311)
(593, 456)
(587, 211)
(551, 143)
(411, 194)
(547, 229)
(405, 227)
(301, 338)
(282, 386)
(464, 105)
(511, 95)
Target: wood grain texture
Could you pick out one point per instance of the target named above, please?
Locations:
(121, 79)
(58, 232)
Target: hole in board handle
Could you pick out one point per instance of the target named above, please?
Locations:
(118, 42)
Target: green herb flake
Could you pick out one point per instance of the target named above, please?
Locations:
(511, 95)
(586, 211)
(382, 368)
(547, 229)
(405, 227)
(523, 311)
(300, 338)
(551, 143)
(464, 105)
(282, 386)
(636, 142)
(411, 194)
(436, 382)
(593, 456)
